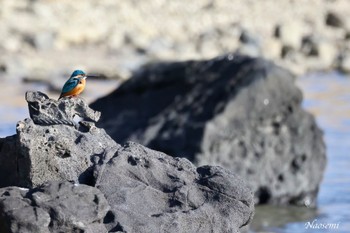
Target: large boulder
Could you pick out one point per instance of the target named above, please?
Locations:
(152, 192)
(136, 190)
(238, 112)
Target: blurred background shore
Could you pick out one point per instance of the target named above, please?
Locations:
(42, 38)
(43, 41)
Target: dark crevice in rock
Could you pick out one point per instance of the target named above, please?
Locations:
(87, 177)
(78, 139)
(53, 215)
(64, 155)
(174, 203)
(109, 218)
(296, 164)
(117, 228)
(280, 178)
(6, 193)
(132, 161)
(96, 200)
(264, 195)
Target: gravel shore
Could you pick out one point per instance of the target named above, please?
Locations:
(114, 37)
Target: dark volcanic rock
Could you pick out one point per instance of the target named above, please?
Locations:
(57, 152)
(242, 113)
(151, 192)
(54, 207)
(9, 174)
(136, 189)
(334, 20)
(41, 153)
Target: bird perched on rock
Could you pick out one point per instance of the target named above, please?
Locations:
(75, 84)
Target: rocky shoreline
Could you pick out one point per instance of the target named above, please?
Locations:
(116, 37)
(220, 119)
(187, 144)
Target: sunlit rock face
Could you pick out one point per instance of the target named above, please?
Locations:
(52, 145)
(241, 113)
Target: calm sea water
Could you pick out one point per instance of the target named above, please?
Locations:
(327, 96)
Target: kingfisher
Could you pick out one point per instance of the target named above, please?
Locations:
(75, 84)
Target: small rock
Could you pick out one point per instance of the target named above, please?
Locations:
(288, 52)
(251, 50)
(343, 62)
(347, 35)
(3, 68)
(248, 37)
(290, 34)
(325, 51)
(334, 20)
(309, 46)
(250, 44)
(272, 48)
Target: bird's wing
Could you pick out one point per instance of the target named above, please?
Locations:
(70, 85)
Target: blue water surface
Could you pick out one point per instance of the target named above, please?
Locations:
(9, 116)
(327, 95)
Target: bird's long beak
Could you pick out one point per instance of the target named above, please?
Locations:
(92, 76)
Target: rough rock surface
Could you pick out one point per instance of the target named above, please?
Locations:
(53, 207)
(151, 192)
(46, 111)
(242, 113)
(136, 189)
(40, 153)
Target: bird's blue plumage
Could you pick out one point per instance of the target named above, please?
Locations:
(77, 72)
(70, 85)
(77, 77)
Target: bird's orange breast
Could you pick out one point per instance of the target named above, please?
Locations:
(77, 90)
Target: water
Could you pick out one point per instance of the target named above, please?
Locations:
(8, 119)
(327, 96)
